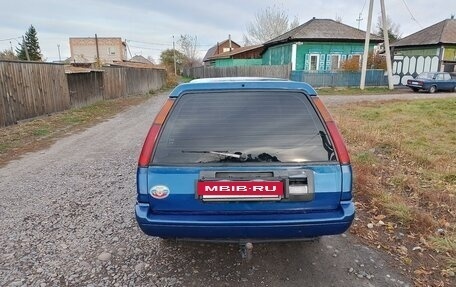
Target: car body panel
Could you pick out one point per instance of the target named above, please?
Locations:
(169, 206)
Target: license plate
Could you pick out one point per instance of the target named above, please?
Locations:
(414, 83)
(240, 190)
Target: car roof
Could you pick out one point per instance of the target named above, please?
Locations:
(241, 83)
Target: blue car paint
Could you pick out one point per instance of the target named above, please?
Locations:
(247, 85)
(181, 215)
(246, 226)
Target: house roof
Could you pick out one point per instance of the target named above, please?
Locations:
(443, 32)
(80, 59)
(140, 59)
(213, 50)
(323, 30)
(236, 51)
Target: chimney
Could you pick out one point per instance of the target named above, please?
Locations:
(229, 39)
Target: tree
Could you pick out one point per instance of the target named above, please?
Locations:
(268, 24)
(376, 61)
(187, 46)
(350, 65)
(7, 55)
(167, 59)
(33, 47)
(393, 29)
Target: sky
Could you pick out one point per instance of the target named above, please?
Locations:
(149, 26)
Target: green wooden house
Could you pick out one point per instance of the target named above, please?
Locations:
(317, 45)
(431, 49)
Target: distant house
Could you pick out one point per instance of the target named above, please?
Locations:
(317, 45)
(140, 59)
(221, 47)
(107, 49)
(243, 56)
(432, 49)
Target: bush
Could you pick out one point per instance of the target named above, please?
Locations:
(351, 65)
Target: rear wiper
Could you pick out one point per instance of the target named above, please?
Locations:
(327, 145)
(224, 153)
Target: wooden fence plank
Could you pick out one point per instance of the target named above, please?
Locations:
(30, 89)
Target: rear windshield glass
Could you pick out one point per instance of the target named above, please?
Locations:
(246, 127)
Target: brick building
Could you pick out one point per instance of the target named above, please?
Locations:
(110, 49)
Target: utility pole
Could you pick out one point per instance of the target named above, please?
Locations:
(366, 47)
(128, 48)
(174, 56)
(98, 52)
(359, 20)
(58, 48)
(25, 48)
(387, 46)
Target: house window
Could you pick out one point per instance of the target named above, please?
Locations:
(314, 62)
(111, 51)
(226, 50)
(335, 62)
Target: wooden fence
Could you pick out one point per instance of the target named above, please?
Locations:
(29, 89)
(127, 81)
(85, 88)
(314, 78)
(279, 71)
(339, 78)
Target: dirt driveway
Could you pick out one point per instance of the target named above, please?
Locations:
(67, 219)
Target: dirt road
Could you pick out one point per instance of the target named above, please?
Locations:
(67, 219)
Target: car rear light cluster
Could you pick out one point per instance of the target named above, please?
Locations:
(337, 139)
(154, 131)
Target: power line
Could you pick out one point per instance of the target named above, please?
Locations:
(14, 38)
(165, 44)
(149, 43)
(410, 12)
(360, 14)
(146, 48)
(364, 5)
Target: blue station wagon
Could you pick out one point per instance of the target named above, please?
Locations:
(244, 159)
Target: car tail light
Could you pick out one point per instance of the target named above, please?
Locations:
(151, 139)
(337, 139)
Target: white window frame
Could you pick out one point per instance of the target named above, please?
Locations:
(317, 64)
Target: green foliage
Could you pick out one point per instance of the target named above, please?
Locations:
(167, 59)
(33, 47)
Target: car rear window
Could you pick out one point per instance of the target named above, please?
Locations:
(262, 126)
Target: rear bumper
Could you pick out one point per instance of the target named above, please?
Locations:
(250, 226)
(412, 86)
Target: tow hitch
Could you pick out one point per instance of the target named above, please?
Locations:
(246, 250)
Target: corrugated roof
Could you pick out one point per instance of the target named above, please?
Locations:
(443, 32)
(235, 51)
(323, 29)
